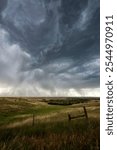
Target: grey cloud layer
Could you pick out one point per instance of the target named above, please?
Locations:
(49, 47)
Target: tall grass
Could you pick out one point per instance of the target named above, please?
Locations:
(75, 135)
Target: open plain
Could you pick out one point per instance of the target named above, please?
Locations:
(32, 123)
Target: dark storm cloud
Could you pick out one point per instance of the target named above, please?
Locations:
(3, 4)
(54, 44)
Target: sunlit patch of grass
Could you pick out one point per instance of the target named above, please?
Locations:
(11, 111)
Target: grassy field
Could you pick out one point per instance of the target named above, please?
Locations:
(42, 124)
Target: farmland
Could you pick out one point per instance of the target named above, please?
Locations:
(43, 124)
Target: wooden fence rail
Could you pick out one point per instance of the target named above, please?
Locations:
(79, 116)
(69, 116)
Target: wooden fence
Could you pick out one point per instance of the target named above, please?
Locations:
(79, 116)
(69, 116)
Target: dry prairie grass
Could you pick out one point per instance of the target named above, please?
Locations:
(76, 135)
(51, 130)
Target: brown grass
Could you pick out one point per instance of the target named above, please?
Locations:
(51, 130)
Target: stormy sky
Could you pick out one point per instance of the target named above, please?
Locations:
(49, 47)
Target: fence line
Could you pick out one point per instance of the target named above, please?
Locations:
(69, 116)
(79, 116)
(33, 120)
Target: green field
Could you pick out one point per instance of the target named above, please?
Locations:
(43, 124)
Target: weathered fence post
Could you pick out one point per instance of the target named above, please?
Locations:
(85, 111)
(69, 117)
(33, 121)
